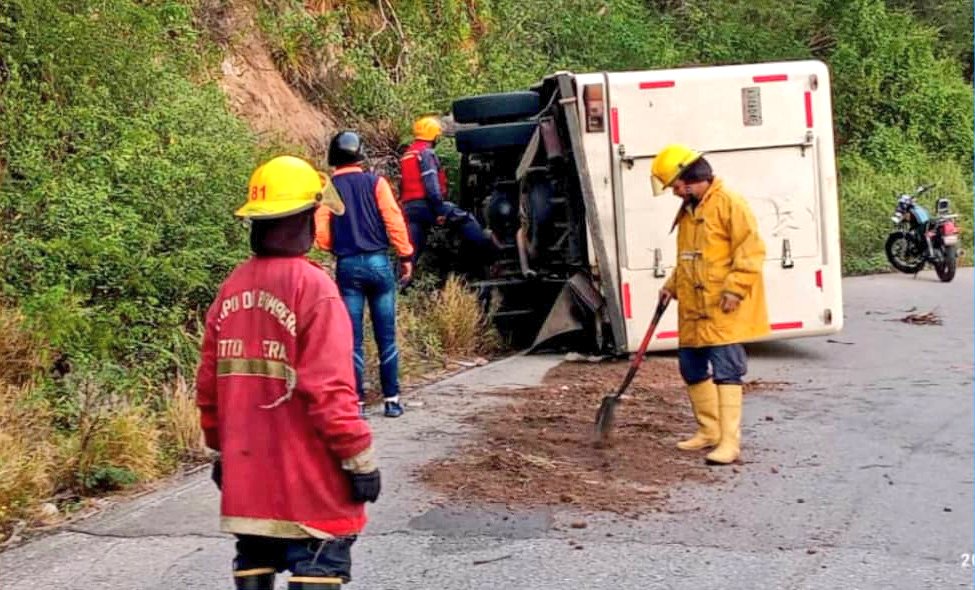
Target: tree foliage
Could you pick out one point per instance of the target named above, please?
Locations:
(118, 176)
(120, 163)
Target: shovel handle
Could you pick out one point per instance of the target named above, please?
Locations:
(638, 357)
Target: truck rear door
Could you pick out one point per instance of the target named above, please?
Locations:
(767, 131)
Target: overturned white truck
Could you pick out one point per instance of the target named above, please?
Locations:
(562, 173)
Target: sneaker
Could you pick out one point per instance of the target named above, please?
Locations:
(393, 410)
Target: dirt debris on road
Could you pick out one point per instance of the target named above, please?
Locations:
(538, 450)
(762, 386)
(930, 318)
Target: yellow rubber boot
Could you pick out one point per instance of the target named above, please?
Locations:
(704, 401)
(729, 403)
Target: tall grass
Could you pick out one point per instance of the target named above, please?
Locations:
(459, 321)
(180, 421)
(435, 324)
(22, 353)
(28, 453)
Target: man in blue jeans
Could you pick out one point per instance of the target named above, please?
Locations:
(360, 241)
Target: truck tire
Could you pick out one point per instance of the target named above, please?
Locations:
(496, 108)
(540, 230)
(492, 138)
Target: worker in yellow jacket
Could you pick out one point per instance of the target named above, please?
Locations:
(720, 294)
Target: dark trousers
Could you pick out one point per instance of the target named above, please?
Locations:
(726, 364)
(420, 218)
(369, 278)
(302, 557)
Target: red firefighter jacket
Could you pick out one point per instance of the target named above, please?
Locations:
(276, 391)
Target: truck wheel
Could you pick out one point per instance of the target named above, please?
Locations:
(492, 138)
(540, 215)
(496, 108)
(501, 213)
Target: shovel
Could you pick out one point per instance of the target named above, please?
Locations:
(607, 409)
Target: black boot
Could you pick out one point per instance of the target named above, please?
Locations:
(314, 583)
(255, 579)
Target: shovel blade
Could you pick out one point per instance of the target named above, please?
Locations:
(605, 417)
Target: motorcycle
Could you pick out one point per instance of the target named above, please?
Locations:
(920, 238)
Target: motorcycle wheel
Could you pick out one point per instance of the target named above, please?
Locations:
(899, 253)
(949, 263)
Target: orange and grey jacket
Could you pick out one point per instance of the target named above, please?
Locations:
(372, 221)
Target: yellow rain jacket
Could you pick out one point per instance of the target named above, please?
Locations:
(718, 250)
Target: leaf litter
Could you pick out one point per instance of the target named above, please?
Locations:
(539, 448)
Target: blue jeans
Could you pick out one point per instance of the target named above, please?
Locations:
(727, 361)
(369, 278)
(420, 218)
(302, 557)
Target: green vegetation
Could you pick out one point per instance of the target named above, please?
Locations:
(901, 72)
(118, 176)
(120, 164)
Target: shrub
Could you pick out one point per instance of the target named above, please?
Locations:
(180, 421)
(27, 453)
(120, 176)
(459, 321)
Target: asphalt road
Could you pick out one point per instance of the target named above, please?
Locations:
(857, 475)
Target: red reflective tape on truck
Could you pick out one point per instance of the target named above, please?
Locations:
(657, 84)
(819, 279)
(809, 117)
(770, 78)
(627, 311)
(614, 124)
(787, 326)
(663, 335)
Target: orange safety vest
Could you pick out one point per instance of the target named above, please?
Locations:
(411, 177)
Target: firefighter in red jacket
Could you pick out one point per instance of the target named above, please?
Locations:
(423, 192)
(276, 392)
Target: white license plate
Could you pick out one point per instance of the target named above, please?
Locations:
(950, 240)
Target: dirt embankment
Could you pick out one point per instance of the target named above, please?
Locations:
(538, 450)
(256, 90)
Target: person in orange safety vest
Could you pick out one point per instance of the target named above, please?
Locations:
(424, 192)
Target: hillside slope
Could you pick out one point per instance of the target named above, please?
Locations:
(128, 130)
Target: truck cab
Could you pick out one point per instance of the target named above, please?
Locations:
(561, 172)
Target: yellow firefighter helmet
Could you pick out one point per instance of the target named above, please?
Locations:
(287, 185)
(427, 128)
(668, 165)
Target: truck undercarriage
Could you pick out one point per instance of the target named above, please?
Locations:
(519, 176)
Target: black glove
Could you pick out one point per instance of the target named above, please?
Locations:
(365, 486)
(217, 473)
